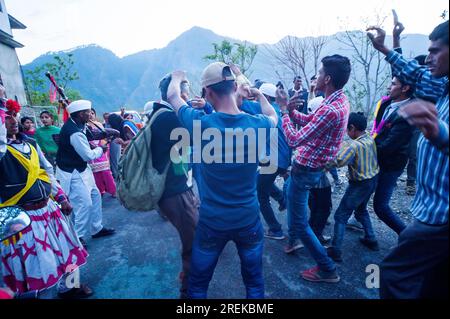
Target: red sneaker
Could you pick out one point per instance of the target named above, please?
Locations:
(317, 275)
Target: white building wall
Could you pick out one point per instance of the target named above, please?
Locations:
(4, 19)
(11, 74)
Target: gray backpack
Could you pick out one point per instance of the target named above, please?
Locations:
(139, 185)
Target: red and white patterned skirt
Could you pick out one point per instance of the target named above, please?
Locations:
(47, 250)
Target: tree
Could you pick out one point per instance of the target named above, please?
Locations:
(364, 92)
(301, 56)
(61, 69)
(241, 54)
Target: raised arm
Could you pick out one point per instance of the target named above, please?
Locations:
(408, 72)
(174, 90)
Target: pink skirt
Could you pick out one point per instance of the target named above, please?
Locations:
(47, 250)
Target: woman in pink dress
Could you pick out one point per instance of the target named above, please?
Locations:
(100, 167)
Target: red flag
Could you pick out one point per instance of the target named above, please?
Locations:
(52, 93)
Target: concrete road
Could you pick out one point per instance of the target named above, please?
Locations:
(143, 261)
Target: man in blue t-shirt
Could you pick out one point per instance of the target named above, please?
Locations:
(228, 170)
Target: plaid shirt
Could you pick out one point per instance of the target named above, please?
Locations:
(430, 205)
(322, 132)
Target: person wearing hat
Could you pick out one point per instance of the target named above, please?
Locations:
(266, 182)
(75, 175)
(229, 209)
(48, 250)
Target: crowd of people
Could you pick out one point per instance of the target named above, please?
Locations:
(55, 172)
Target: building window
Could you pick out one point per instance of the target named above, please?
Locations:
(1, 8)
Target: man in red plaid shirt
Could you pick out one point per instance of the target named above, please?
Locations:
(317, 142)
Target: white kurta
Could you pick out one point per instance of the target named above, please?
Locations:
(81, 189)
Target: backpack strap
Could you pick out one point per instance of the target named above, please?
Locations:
(158, 113)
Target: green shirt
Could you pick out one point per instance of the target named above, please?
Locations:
(45, 140)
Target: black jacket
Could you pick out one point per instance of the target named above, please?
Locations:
(393, 140)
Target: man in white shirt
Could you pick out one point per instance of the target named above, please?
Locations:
(75, 176)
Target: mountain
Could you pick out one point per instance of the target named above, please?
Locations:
(111, 82)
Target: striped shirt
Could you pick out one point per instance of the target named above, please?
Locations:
(361, 157)
(321, 134)
(430, 205)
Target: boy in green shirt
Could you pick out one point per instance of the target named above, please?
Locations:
(44, 137)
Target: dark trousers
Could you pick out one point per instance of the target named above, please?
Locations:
(355, 201)
(412, 158)
(182, 211)
(320, 205)
(418, 266)
(266, 188)
(387, 181)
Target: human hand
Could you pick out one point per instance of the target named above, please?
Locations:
(198, 102)
(110, 132)
(378, 39)
(119, 141)
(179, 76)
(66, 207)
(398, 26)
(295, 102)
(282, 99)
(422, 114)
(235, 69)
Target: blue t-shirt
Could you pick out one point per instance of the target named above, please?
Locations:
(284, 151)
(228, 190)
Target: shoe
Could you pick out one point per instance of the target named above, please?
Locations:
(354, 224)
(371, 244)
(317, 275)
(334, 254)
(77, 293)
(104, 232)
(282, 206)
(324, 239)
(275, 235)
(291, 247)
(83, 243)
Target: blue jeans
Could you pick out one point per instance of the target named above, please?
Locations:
(387, 181)
(207, 248)
(355, 200)
(266, 189)
(300, 183)
(334, 173)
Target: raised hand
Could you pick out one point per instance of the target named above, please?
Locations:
(282, 99)
(198, 102)
(378, 39)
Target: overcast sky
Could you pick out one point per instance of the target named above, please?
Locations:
(130, 26)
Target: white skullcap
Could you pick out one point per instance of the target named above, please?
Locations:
(268, 89)
(80, 105)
